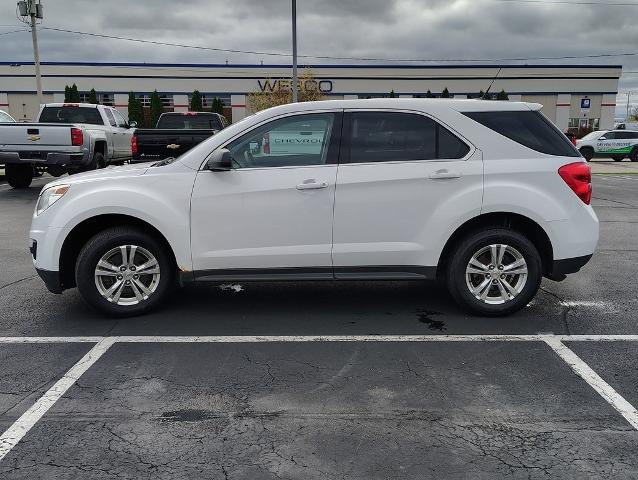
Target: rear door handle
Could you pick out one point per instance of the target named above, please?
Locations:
(444, 175)
(311, 184)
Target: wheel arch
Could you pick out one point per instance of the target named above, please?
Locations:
(513, 221)
(89, 227)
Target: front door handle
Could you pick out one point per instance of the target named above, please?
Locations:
(444, 174)
(311, 184)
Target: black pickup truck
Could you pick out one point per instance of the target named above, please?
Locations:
(176, 132)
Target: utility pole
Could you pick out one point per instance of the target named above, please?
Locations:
(33, 9)
(294, 52)
(627, 117)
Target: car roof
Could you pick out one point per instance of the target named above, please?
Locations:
(190, 113)
(75, 104)
(460, 105)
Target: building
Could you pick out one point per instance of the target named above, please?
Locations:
(573, 96)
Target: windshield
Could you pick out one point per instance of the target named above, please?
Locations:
(204, 122)
(5, 118)
(592, 135)
(71, 114)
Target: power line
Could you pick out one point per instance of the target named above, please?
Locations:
(328, 57)
(567, 2)
(14, 31)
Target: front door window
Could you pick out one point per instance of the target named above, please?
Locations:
(297, 141)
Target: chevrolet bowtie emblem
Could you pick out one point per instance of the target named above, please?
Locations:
(172, 146)
(34, 138)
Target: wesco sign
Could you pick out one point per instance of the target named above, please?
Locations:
(324, 86)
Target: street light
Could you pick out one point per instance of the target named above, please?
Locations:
(33, 10)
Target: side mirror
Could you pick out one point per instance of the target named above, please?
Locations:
(132, 124)
(220, 161)
(602, 138)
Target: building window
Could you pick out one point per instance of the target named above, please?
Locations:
(102, 98)
(107, 99)
(207, 99)
(584, 123)
(145, 99)
(167, 100)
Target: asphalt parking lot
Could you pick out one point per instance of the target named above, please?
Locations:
(353, 380)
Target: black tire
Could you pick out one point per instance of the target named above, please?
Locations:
(113, 238)
(464, 251)
(618, 158)
(587, 153)
(19, 176)
(633, 156)
(56, 170)
(96, 162)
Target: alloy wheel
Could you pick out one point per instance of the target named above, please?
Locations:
(496, 274)
(127, 275)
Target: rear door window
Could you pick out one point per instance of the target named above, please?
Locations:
(71, 114)
(627, 135)
(528, 128)
(187, 121)
(395, 136)
(110, 116)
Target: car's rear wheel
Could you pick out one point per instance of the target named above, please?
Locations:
(96, 162)
(494, 272)
(587, 153)
(618, 158)
(124, 271)
(633, 156)
(19, 176)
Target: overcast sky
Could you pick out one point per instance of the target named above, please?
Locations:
(422, 29)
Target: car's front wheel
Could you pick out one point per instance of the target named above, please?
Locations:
(124, 271)
(494, 272)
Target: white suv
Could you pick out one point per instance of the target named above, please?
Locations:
(616, 144)
(488, 196)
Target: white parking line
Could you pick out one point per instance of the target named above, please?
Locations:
(22, 425)
(28, 419)
(594, 380)
(541, 337)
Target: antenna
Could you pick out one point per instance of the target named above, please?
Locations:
(492, 83)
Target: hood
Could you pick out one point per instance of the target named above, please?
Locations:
(103, 174)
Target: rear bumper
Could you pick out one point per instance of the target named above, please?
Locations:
(51, 280)
(561, 268)
(43, 158)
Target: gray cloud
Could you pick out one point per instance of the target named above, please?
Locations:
(377, 28)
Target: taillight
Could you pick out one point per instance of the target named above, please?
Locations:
(77, 139)
(266, 143)
(134, 145)
(578, 177)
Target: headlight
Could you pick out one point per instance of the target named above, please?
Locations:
(49, 196)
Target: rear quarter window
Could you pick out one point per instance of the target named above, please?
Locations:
(528, 128)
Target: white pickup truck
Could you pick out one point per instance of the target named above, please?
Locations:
(67, 138)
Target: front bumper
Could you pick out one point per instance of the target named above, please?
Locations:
(51, 280)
